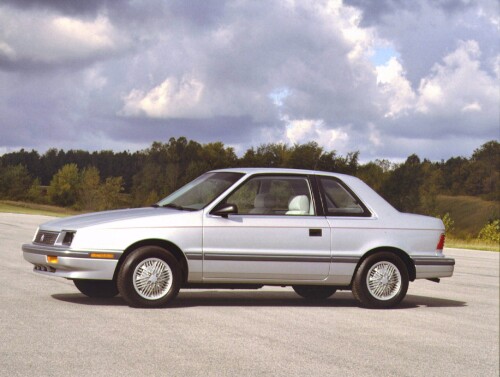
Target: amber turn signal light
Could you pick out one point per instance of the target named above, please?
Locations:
(51, 259)
(102, 255)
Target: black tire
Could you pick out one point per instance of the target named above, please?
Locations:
(314, 292)
(149, 277)
(389, 281)
(97, 288)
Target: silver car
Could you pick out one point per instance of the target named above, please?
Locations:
(244, 228)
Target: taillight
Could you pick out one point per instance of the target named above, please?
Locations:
(440, 245)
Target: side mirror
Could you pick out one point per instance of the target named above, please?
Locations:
(225, 210)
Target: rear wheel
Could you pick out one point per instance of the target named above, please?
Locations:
(314, 292)
(97, 288)
(149, 277)
(381, 281)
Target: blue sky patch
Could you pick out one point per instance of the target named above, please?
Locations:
(382, 55)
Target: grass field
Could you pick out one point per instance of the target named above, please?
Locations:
(470, 214)
(473, 244)
(35, 209)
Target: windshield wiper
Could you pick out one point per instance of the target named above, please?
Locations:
(175, 206)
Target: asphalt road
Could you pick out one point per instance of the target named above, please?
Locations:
(47, 328)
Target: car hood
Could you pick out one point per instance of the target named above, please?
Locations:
(118, 218)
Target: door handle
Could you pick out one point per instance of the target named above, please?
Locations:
(315, 233)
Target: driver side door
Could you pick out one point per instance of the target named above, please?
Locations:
(276, 235)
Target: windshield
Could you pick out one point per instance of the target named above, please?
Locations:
(199, 193)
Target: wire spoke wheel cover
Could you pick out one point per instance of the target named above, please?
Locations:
(149, 277)
(152, 278)
(383, 280)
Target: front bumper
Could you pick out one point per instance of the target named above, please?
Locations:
(71, 264)
(433, 267)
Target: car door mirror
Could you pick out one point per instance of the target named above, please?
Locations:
(225, 210)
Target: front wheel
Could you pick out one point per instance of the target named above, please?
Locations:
(96, 288)
(149, 277)
(314, 292)
(381, 281)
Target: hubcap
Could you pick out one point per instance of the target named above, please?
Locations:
(383, 280)
(152, 278)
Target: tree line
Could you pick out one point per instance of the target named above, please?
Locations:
(106, 179)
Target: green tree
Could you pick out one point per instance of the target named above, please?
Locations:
(484, 171)
(152, 198)
(35, 192)
(63, 189)
(110, 193)
(164, 167)
(217, 156)
(429, 188)
(250, 159)
(146, 182)
(374, 174)
(305, 156)
(89, 195)
(455, 172)
(50, 163)
(272, 155)
(30, 160)
(15, 182)
(402, 188)
(449, 224)
(491, 232)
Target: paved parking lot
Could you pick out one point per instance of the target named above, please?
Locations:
(47, 328)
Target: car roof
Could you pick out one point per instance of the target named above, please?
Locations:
(280, 171)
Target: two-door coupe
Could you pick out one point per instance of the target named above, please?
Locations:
(244, 228)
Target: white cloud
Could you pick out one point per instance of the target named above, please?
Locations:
(46, 37)
(7, 51)
(359, 38)
(90, 35)
(374, 135)
(94, 79)
(394, 85)
(304, 130)
(431, 94)
(471, 107)
(496, 66)
(173, 98)
(458, 83)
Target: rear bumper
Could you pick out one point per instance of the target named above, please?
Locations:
(433, 267)
(71, 264)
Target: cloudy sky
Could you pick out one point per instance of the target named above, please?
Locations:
(387, 77)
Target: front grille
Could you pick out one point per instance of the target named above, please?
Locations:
(46, 238)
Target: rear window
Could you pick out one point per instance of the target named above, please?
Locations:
(339, 200)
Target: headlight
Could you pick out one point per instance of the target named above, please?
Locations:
(68, 237)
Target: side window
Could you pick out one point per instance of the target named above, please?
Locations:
(244, 196)
(274, 195)
(339, 201)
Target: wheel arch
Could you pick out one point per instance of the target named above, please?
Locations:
(164, 244)
(410, 266)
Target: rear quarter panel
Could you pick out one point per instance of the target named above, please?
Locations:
(358, 236)
(354, 237)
